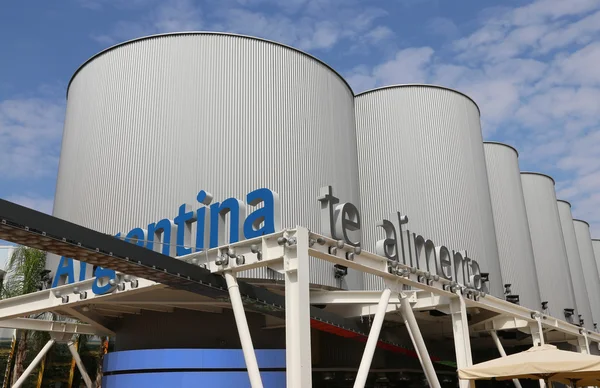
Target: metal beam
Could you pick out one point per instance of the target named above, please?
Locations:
(367, 358)
(297, 314)
(353, 310)
(243, 331)
(115, 308)
(80, 366)
(462, 341)
(33, 364)
(49, 326)
(96, 321)
(503, 322)
(419, 343)
(537, 334)
(430, 301)
(148, 307)
(420, 300)
(537, 337)
(59, 297)
(557, 336)
(352, 297)
(494, 335)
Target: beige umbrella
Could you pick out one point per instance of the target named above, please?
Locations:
(544, 362)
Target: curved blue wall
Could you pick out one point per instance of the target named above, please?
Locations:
(190, 367)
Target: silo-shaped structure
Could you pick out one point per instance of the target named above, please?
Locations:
(590, 267)
(510, 220)
(549, 250)
(153, 121)
(596, 245)
(582, 298)
(420, 153)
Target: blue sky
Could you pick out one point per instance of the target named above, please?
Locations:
(532, 66)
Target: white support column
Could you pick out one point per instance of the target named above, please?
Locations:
(80, 366)
(417, 339)
(462, 341)
(243, 331)
(540, 330)
(297, 313)
(537, 336)
(494, 335)
(33, 364)
(583, 345)
(367, 358)
(537, 333)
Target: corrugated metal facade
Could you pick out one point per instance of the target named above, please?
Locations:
(590, 268)
(575, 264)
(421, 153)
(510, 220)
(596, 245)
(548, 244)
(151, 122)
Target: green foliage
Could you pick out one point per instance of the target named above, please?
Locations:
(23, 276)
(23, 272)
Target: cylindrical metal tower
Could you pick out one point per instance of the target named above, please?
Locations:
(421, 153)
(549, 249)
(582, 298)
(510, 220)
(153, 121)
(596, 245)
(590, 268)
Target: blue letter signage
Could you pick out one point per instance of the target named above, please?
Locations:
(174, 237)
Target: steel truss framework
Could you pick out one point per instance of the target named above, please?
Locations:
(214, 273)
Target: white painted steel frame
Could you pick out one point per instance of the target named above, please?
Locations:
(288, 252)
(33, 364)
(49, 326)
(298, 357)
(80, 366)
(418, 342)
(367, 358)
(330, 250)
(494, 335)
(243, 330)
(272, 256)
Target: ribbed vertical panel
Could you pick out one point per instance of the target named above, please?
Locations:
(153, 121)
(575, 264)
(596, 245)
(549, 249)
(510, 221)
(421, 153)
(590, 268)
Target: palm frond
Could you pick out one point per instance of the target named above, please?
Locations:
(24, 270)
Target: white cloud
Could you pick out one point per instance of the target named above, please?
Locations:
(580, 32)
(120, 4)
(177, 15)
(30, 132)
(306, 24)
(379, 33)
(549, 10)
(443, 26)
(408, 66)
(167, 16)
(532, 70)
(579, 68)
(33, 201)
